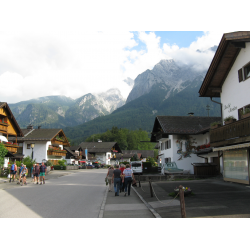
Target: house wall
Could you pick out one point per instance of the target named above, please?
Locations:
(180, 156)
(40, 151)
(235, 94)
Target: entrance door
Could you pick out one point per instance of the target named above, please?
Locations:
(216, 160)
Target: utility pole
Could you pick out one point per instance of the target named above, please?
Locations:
(208, 108)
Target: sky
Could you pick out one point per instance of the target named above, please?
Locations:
(73, 64)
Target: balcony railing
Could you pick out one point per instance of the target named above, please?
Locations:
(56, 152)
(57, 141)
(235, 130)
(3, 127)
(11, 147)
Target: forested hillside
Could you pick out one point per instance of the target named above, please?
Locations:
(141, 112)
(126, 139)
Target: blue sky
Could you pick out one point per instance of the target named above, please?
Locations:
(92, 62)
(180, 38)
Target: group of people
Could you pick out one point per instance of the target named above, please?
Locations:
(36, 172)
(121, 178)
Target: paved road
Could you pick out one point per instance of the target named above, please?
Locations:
(67, 194)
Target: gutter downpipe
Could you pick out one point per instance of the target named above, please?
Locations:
(220, 108)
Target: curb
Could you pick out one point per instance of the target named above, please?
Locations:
(156, 215)
(103, 204)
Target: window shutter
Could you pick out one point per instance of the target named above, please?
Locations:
(240, 75)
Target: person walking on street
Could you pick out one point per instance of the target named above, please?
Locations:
(13, 170)
(128, 176)
(36, 173)
(23, 174)
(109, 176)
(20, 170)
(42, 173)
(116, 178)
(122, 168)
(31, 172)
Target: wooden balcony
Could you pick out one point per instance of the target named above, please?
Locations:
(58, 142)
(12, 148)
(3, 127)
(233, 133)
(56, 152)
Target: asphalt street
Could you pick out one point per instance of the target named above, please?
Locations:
(69, 194)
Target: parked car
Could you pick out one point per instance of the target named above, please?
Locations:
(96, 165)
(137, 167)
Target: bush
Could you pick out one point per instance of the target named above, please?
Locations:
(59, 167)
(62, 162)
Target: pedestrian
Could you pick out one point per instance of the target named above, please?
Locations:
(122, 168)
(31, 172)
(36, 173)
(15, 171)
(20, 170)
(128, 176)
(109, 176)
(42, 173)
(23, 174)
(116, 178)
(12, 172)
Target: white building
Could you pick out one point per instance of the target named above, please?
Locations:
(43, 144)
(228, 77)
(179, 138)
(103, 152)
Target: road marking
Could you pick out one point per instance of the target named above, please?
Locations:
(103, 204)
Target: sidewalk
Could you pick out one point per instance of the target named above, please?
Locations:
(125, 207)
(213, 198)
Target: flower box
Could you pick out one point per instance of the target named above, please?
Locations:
(245, 115)
(215, 126)
(230, 121)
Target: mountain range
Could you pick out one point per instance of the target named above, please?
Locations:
(62, 111)
(167, 89)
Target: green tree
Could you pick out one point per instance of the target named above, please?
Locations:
(3, 152)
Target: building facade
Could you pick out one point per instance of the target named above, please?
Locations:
(180, 138)
(228, 77)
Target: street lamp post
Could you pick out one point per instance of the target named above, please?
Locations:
(32, 145)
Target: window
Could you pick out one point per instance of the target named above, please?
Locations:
(28, 146)
(244, 73)
(243, 111)
(247, 71)
(167, 160)
(162, 146)
(168, 144)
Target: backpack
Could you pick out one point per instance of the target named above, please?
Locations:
(12, 167)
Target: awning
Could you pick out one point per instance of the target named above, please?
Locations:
(243, 145)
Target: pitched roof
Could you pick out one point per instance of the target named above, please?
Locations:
(99, 147)
(42, 134)
(225, 56)
(183, 124)
(12, 117)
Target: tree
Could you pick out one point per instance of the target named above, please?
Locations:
(3, 152)
(134, 158)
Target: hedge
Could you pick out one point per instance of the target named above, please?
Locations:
(59, 167)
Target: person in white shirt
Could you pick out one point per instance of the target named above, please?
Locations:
(127, 179)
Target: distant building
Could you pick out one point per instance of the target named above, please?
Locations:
(102, 151)
(179, 139)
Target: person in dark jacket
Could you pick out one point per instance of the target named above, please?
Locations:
(116, 179)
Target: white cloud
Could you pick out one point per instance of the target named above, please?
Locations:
(76, 63)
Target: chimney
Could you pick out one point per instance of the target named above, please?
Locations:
(30, 127)
(191, 114)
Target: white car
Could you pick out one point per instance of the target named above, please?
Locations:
(137, 167)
